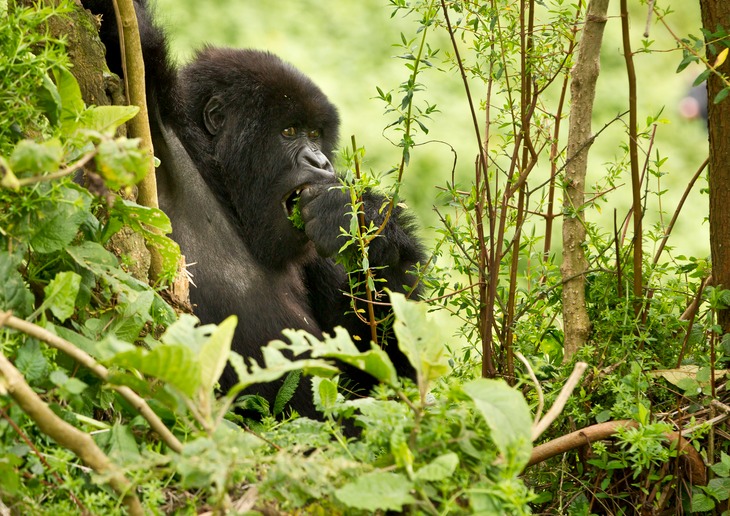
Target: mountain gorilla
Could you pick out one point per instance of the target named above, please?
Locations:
(241, 135)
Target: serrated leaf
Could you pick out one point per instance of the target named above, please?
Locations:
(701, 502)
(286, 391)
(214, 353)
(121, 445)
(326, 394)
(441, 468)
(420, 338)
(61, 294)
(375, 362)
(186, 331)
(508, 418)
(378, 490)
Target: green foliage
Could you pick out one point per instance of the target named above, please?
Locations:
(446, 444)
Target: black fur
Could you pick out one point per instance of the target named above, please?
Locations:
(229, 164)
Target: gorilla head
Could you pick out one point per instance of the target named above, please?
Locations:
(271, 132)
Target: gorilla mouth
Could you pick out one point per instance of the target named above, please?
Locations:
(291, 201)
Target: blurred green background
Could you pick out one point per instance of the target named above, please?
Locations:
(347, 48)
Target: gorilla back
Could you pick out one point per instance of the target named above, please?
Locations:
(242, 137)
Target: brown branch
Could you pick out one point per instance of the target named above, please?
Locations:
(81, 443)
(634, 162)
(99, 370)
(139, 126)
(585, 436)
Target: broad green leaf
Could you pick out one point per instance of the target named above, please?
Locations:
(31, 362)
(175, 365)
(420, 338)
(32, 158)
(135, 216)
(55, 222)
(441, 468)
(720, 488)
(286, 391)
(72, 104)
(120, 445)
(508, 417)
(49, 100)
(61, 294)
(377, 491)
(70, 385)
(106, 119)
(14, 294)
(701, 502)
(374, 362)
(214, 353)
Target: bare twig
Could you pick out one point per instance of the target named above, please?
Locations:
(99, 370)
(538, 388)
(559, 404)
(73, 167)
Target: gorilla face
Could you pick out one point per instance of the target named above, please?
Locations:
(272, 133)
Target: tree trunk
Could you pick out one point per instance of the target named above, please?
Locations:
(716, 13)
(582, 91)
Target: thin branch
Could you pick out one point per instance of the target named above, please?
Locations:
(99, 370)
(559, 404)
(585, 436)
(73, 167)
(538, 388)
(634, 162)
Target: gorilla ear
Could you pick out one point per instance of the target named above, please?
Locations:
(213, 115)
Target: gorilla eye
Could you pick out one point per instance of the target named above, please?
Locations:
(314, 133)
(290, 132)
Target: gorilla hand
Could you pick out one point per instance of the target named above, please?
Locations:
(325, 210)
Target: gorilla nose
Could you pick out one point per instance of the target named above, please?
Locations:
(315, 158)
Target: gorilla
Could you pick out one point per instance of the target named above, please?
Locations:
(242, 137)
